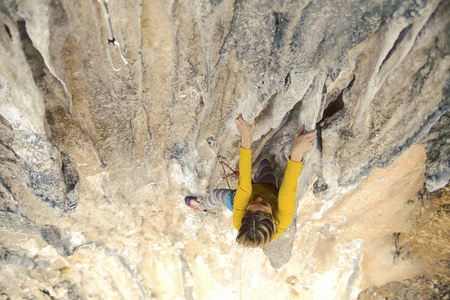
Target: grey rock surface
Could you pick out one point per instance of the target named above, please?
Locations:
(438, 151)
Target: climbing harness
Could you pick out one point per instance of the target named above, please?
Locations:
(212, 144)
(111, 40)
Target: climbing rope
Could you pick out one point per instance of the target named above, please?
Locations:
(212, 144)
(111, 40)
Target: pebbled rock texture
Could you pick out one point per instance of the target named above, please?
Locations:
(95, 164)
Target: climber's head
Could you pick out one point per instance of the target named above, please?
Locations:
(258, 226)
(259, 204)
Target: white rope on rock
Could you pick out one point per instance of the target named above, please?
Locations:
(111, 40)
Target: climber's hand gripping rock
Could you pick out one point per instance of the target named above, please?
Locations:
(303, 142)
(246, 131)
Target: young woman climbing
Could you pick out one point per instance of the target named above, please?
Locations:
(261, 212)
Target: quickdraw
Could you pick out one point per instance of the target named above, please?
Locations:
(111, 40)
(212, 144)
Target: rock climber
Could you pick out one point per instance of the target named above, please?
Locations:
(261, 212)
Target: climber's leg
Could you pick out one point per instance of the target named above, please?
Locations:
(224, 196)
(266, 174)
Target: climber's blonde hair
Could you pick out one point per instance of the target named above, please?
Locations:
(257, 229)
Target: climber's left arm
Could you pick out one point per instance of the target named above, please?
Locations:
(303, 142)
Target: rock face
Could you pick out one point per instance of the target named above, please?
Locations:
(95, 163)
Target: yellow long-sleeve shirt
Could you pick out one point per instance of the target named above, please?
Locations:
(283, 206)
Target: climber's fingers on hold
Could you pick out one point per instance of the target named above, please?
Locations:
(300, 131)
(308, 135)
(238, 119)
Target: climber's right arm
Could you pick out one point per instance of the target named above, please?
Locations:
(244, 188)
(246, 131)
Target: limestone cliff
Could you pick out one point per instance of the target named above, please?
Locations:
(95, 163)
